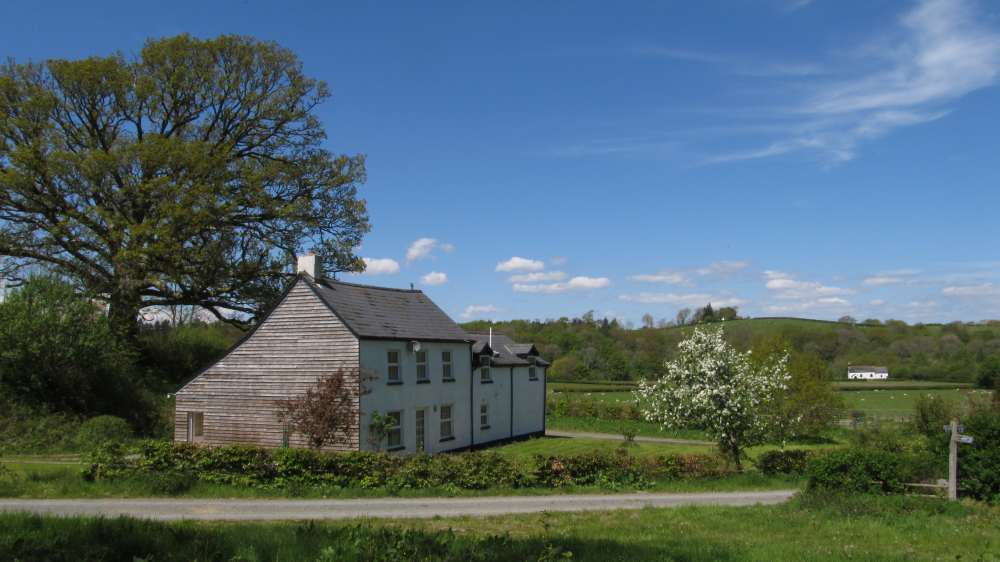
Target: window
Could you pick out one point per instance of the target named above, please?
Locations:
(532, 374)
(484, 416)
(196, 426)
(392, 371)
(484, 369)
(446, 366)
(395, 434)
(422, 367)
(286, 435)
(447, 428)
(421, 430)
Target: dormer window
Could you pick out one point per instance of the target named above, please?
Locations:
(484, 369)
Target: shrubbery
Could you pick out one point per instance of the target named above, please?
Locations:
(102, 429)
(254, 467)
(586, 407)
(856, 470)
(790, 461)
(979, 463)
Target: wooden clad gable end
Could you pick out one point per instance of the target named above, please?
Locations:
(300, 341)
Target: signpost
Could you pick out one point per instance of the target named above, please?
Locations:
(956, 437)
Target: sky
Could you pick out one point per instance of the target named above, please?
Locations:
(542, 159)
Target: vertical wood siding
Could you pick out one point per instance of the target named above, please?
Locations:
(298, 343)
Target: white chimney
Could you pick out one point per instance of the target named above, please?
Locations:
(309, 264)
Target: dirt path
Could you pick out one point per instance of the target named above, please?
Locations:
(212, 509)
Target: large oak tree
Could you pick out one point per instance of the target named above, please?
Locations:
(190, 174)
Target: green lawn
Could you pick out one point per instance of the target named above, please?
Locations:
(815, 529)
(898, 403)
(899, 384)
(613, 427)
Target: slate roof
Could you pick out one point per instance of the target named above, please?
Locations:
(507, 352)
(387, 313)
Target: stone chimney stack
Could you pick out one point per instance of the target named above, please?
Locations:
(309, 264)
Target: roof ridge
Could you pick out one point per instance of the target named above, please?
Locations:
(330, 281)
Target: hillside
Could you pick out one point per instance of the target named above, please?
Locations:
(599, 349)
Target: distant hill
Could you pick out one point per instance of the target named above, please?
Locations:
(588, 349)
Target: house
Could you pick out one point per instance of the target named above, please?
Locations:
(867, 372)
(445, 389)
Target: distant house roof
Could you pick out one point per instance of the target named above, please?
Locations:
(866, 369)
(387, 313)
(506, 352)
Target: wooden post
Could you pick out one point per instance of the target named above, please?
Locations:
(953, 461)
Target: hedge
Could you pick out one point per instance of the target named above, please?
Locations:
(174, 467)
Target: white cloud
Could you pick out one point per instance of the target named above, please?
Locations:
(683, 299)
(825, 303)
(434, 278)
(538, 277)
(447, 247)
(575, 284)
(420, 249)
(380, 266)
(681, 277)
(477, 310)
(938, 52)
(786, 287)
(983, 290)
(517, 263)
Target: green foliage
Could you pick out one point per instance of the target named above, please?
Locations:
(26, 429)
(599, 349)
(786, 461)
(856, 470)
(979, 463)
(585, 406)
(58, 353)
(188, 174)
(932, 413)
(103, 429)
(173, 354)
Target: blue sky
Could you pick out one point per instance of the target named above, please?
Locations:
(542, 159)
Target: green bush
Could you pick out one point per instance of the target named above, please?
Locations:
(611, 469)
(102, 429)
(26, 429)
(792, 461)
(979, 463)
(932, 413)
(856, 470)
(692, 466)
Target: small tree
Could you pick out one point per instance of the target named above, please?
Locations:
(713, 386)
(378, 429)
(328, 413)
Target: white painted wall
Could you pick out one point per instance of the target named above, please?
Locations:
(497, 395)
(529, 401)
(409, 396)
(867, 375)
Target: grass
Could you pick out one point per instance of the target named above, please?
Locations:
(614, 427)
(898, 385)
(807, 528)
(897, 403)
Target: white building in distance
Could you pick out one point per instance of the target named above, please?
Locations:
(867, 373)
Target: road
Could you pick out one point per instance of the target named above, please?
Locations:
(613, 437)
(274, 510)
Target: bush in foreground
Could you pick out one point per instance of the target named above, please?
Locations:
(790, 461)
(856, 470)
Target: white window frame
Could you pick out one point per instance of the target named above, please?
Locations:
(446, 369)
(447, 422)
(195, 426)
(425, 365)
(485, 363)
(484, 415)
(390, 364)
(395, 430)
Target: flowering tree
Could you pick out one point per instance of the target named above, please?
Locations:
(713, 386)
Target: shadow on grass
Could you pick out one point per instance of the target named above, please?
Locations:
(32, 537)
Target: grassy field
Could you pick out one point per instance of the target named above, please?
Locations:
(808, 528)
(614, 427)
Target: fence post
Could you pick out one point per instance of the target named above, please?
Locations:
(953, 461)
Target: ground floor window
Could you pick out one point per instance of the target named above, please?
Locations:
(484, 416)
(196, 426)
(395, 433)
(447, 427)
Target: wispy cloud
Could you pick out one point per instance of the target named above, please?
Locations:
(422, 248)
(538, 277)
(938, 52)
(479, 310)
(685, 276)
(575, 284)
(733, 63)
(682, 299)
(794, 295)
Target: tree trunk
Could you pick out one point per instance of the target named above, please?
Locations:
(123, 314)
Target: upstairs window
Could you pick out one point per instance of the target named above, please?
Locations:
(392, 370)
(422, 367)
(446, 366)
(484, 368)
(484, 416)
(532, 374)
(447, 427)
